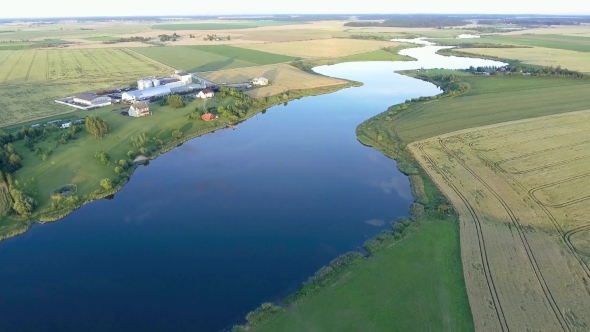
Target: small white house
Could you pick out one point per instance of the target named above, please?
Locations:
(66, 125)
(260, 81)
(205, 94)
(139, 109)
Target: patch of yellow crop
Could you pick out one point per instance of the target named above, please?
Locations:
(521, 191)
(283, 78)
(325, 48)
(541, 56)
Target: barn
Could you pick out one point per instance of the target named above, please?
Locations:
(91, 99)
(145, 94)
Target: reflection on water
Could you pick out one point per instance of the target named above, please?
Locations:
(222, 223)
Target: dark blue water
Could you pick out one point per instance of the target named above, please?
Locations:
(227, 221)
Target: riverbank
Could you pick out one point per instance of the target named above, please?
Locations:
(12, 227)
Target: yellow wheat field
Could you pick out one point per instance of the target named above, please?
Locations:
(283, 77)
(325, 48)
(522, 192)
(541, 56)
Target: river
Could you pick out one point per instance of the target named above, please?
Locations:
(208, 231)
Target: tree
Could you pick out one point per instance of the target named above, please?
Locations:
(96, 127)
(175, 101)
(143, 151)
(23, 204)
(177, 134)
(118, 170)
(14, 159)
(123, 163)
(104, 158)
(38, 151)
(106, 184)
(131, 154)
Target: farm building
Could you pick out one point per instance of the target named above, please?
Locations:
(209, 116)
(91, 99)
(140, 109)
(66, 125)
(137, 95)
(182, 76)
(260, 81)
(205, 94)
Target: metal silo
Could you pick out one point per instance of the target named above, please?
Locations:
(140, 85)
(147, 84)
(155, 82)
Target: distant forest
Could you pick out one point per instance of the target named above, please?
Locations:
(421, 21)
(537, 21)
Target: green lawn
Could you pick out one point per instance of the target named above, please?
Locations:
(220, 25)
(490, 100)
(253, 56)
(571, 43)
(416, 285)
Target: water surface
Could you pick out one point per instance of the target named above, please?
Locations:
(227, 221)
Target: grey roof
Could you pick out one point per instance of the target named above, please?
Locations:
(87, 96)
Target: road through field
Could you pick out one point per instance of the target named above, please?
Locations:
(522, 270)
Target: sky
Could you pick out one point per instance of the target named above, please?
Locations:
(67, 8)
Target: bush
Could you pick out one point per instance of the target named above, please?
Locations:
(380, 242)
(131, 154)
(263, 314)
(404, 221)
(118, 170)
(397, 226)
(104, 158)
(106, 184)
(177, 134)
(417, 211)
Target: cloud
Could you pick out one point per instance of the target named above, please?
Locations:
(375, 222)
(396, 184)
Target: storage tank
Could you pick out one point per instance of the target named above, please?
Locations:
(155, 82)
(140, 85)
(147, 84)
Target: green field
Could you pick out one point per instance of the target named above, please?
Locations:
(490, 100)
(220, 25)
(209, 58)
(570, 43)
(30, 80)
(253, 56)
(103, 38)
(416, 285)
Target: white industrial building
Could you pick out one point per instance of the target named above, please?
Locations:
(137, 95)
(91, 99)
(154, 87)
(260, 81)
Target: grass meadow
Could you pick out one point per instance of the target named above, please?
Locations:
(490, 100)
(415, 285)
(210, 58)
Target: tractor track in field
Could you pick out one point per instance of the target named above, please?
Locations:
(31, 66)
(532, 260)
(481, 242)
(563, 162)
(532, 153)
(564, 236)
(12, 69)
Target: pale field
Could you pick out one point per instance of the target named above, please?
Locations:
(328, 48)
(570, 30)
(283, 77)
(521, 191)
(541, 56)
